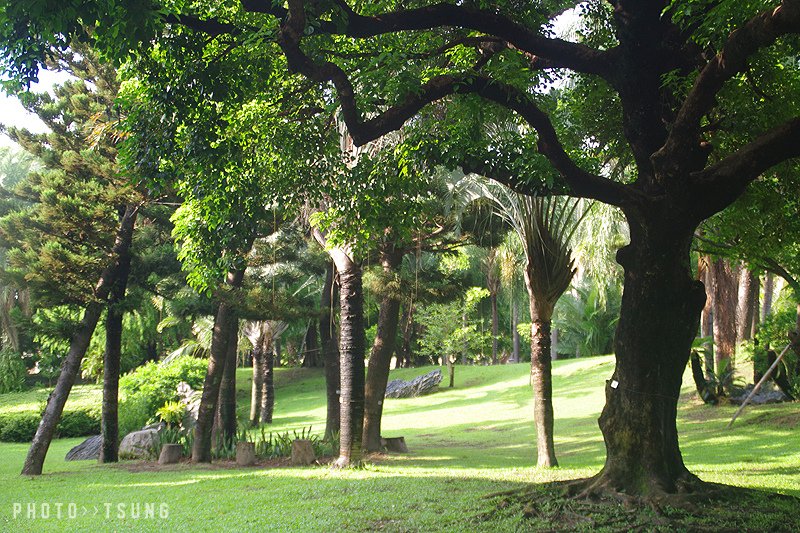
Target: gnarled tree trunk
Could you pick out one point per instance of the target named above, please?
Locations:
(381, 357)
(77, 349)
(224, 321)
(638, 421)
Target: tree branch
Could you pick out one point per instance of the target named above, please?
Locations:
(761, 31)
(719, 185)
(558, 52)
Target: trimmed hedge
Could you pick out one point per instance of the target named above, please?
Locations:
(21, 426)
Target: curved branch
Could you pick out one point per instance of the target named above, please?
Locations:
(760, 32)
(720, 184)
(558, 53)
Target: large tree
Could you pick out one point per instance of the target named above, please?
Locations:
(668, 75)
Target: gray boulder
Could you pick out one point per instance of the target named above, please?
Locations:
(424, 384)
(88, 449)
(764, 396)
(139, 444)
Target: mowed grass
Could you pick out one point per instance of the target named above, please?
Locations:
(466, 442)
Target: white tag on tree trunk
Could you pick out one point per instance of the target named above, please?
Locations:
(614, 383)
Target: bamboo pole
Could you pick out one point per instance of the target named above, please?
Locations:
(767, 374)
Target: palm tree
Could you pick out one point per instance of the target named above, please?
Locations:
(545, 226)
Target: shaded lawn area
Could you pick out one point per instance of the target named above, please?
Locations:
(466, 442)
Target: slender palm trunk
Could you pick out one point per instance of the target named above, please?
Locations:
(381, 357)
(330, 352)
(352, 347)
(258, 383)
(541, 373)
(224, 321)
(77, 349)
(725, 295)
(109, 422)
(268, 381)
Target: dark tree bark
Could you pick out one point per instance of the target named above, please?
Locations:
(77, 348)
(109, 421)
(268, 383)
(495, 326)
(515, 332)
(381, 356)
(541, 373)
(227, 389)
(725, 296)
(311, 357)
(258, 383)
(224, 321)
(405, 358)
(330, 352)
(352, 347)
(639, 419)
(703, 387)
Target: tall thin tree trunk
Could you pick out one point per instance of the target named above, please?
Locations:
(109, 421)
(541, 374)
(748, 285)
(268, 386)
(227, 389)
(224, 321)
(258, 382)
(381, 356)
(77, 349)
(495, 326)
(515, 333)
(330, 352)
(725, 296)
(311, 348)
(769, 290)
(705, 275)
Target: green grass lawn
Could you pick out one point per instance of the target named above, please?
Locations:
(465, 443)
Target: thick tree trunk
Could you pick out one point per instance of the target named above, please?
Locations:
(330, 352)
(258, 383)
(77, 349)
(224, 321)
(639, 419)
(311, 354)
(109, 421)
(725, 296)
(227, 389)
(352, 345)
(381, 356)
(541, 374)
(268, 385)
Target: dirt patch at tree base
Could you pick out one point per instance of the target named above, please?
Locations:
(717, 508)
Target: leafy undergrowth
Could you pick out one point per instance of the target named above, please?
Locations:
(723, 509)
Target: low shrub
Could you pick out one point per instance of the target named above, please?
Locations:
(21, 426)
(134, 414)
(157, 383)
(12, 371)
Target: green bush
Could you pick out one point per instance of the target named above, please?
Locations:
(79, 423)
(12, 371)
(158, 383)
(133, 414)
(21, 426)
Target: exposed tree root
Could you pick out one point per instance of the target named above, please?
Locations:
(594, 503)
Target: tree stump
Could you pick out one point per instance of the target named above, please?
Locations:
(245, 453)
(303, 452)
(170, 454)
(395, 444)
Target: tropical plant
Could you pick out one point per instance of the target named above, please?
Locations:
(586, 320)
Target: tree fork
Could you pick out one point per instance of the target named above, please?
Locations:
(223, 322)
